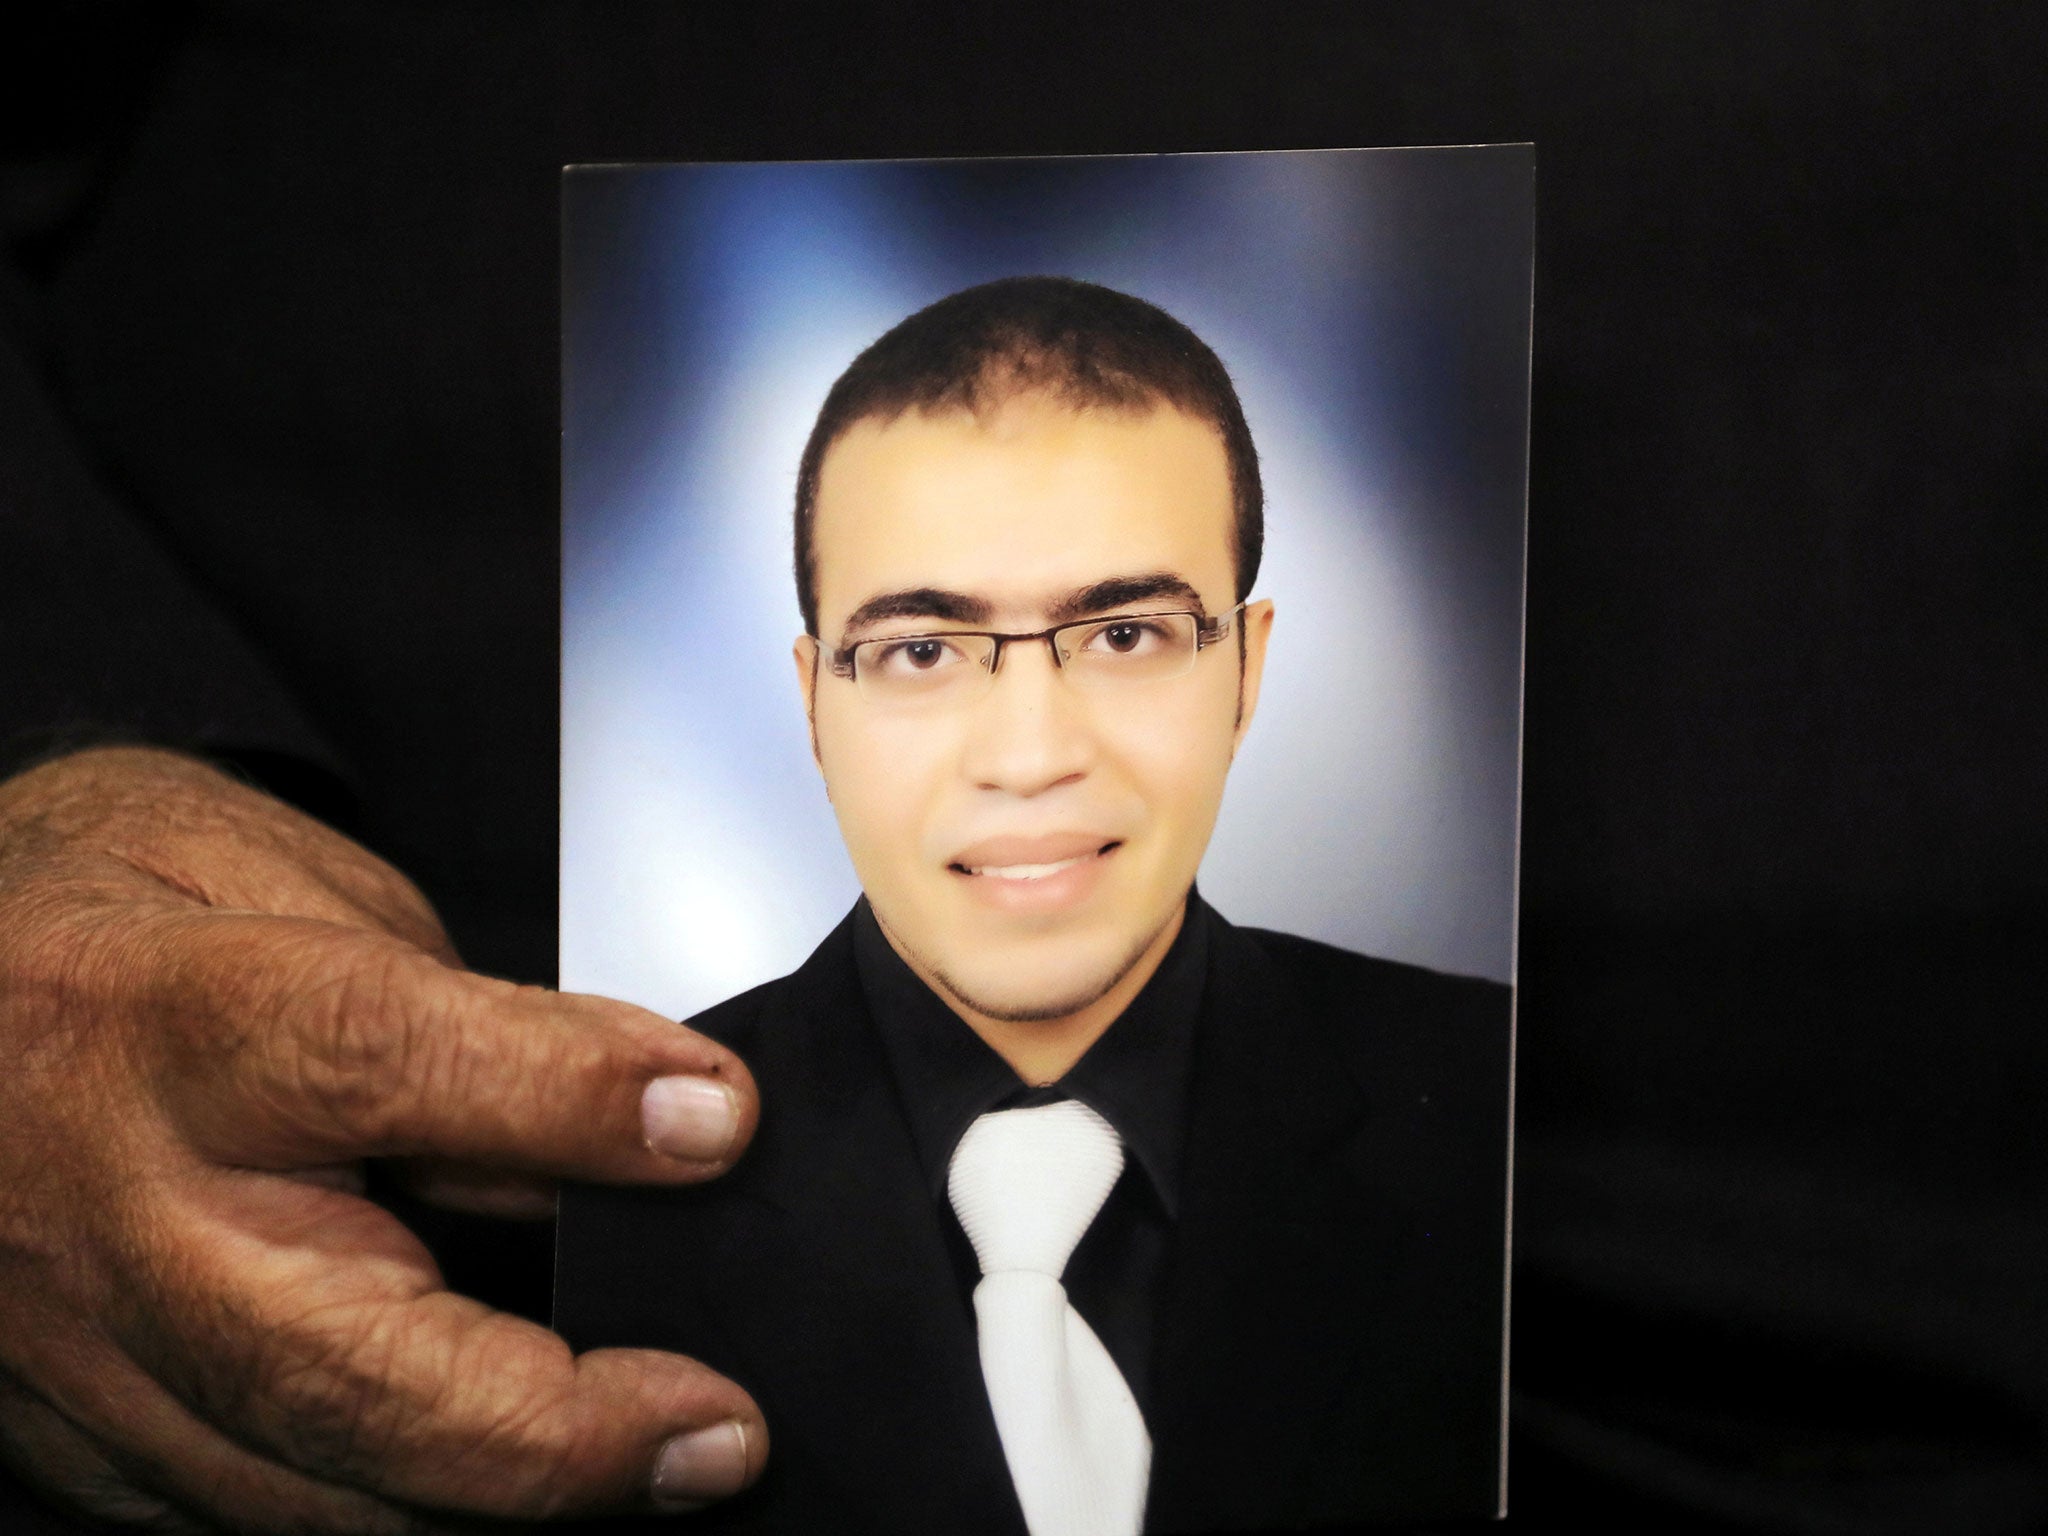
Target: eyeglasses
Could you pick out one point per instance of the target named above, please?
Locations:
(956, 665)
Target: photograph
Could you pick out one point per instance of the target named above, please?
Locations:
(939, 540)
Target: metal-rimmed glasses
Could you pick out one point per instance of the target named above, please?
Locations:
(958, 665)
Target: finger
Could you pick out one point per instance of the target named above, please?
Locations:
(134, 1456)
(299, 1042)
(356, 1376)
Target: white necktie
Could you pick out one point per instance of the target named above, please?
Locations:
(1026, 1183)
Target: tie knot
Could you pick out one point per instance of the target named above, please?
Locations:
(1026, 1183)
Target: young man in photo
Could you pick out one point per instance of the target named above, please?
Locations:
(1074, 1207)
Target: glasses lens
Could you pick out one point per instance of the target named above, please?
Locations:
(922, 666)
(1130, 648)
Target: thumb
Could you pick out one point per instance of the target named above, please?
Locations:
(324, 1044)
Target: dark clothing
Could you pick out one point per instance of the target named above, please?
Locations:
(1135, 1076)
(1329, 1331)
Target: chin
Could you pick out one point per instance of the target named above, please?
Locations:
(1036, 986)
(1021, 1007)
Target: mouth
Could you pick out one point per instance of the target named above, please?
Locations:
(1031, 871)
(1023, 861)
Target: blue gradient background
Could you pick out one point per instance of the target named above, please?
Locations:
(1373, 308)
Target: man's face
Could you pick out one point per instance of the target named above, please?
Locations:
(1026, 847)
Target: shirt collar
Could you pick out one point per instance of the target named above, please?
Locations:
(1135, 1076)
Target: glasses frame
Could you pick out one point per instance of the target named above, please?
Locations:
(1209, 629)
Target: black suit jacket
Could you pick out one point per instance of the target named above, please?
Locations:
(1329, 1340)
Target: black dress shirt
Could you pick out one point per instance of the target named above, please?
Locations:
(1135, 1076)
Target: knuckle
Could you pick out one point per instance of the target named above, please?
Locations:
(524, 1446)
(307, 1037)
(398, 1398)
(314, 1377)
(326, 1389)
(367, 1040)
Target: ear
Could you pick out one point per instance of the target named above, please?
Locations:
(1257, 620)
(805, 654)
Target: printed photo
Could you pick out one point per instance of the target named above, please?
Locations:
(1042, 650)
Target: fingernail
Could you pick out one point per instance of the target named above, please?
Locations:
(704, 1464)
(694, 1118)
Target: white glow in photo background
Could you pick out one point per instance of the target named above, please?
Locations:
(1374, 802)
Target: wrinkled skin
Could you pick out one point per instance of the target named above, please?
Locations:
(212, 1009)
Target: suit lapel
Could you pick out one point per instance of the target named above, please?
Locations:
(1270, 1251)
(840, 1284)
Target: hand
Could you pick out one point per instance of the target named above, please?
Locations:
(212, 1008)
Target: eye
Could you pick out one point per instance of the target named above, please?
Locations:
(1126, 637)
(917, 654)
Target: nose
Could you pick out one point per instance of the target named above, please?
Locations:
(1029, 732)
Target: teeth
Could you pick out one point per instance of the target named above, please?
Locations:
(1027, 871)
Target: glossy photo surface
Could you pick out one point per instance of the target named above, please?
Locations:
(1043, 639)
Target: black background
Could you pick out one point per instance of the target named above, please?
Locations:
(277, 480)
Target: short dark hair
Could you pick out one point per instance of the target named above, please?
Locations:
(1081, 343)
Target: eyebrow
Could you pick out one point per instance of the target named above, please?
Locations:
(964, 608)
(919, 603)
(1121, 591)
